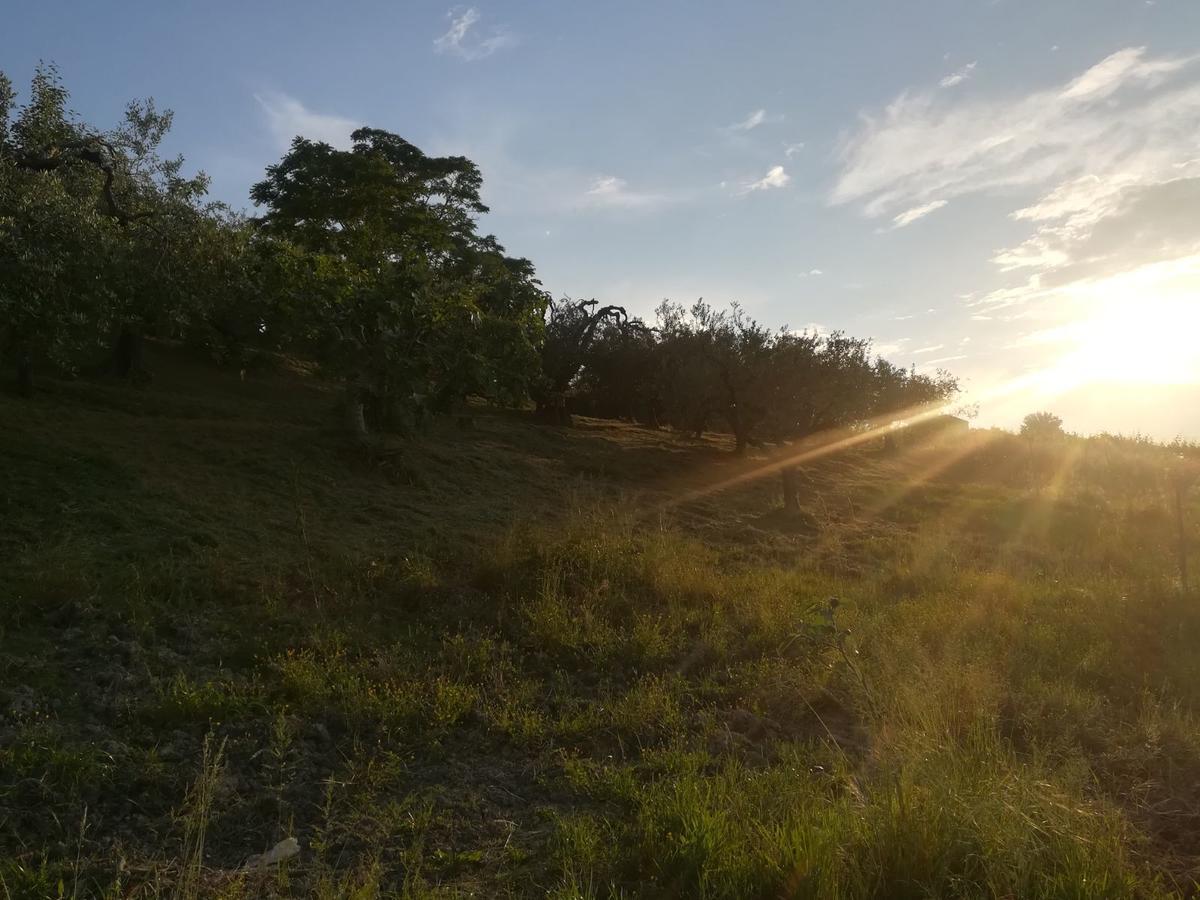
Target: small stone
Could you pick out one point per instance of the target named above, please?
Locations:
(285, 849)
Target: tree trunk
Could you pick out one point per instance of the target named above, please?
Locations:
(129, 357)
(355, 413)
(553, 410)
(791, 498)
(24, 373)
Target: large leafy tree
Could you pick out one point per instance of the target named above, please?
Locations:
(389, 282)
(56, 238)
(96, 230)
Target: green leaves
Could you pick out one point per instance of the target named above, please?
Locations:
(402, 298)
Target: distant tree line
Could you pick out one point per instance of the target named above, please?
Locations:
(368, 262)
(702, 368)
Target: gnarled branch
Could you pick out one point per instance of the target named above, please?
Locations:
(95, 151)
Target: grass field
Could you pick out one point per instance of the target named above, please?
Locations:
(503, 660)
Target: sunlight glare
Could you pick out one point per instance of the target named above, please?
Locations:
(1139, 327)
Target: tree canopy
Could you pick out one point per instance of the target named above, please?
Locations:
(369, 262)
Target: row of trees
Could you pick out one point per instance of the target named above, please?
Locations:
(700, 367)
(369, 262)
(366, 260)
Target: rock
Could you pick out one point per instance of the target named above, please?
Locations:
(285, 849)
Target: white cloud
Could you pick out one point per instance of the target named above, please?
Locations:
(790, 150)
(1102, 79)
(932, 348)
(812, 273)
(958, 77)
(609, 191)
(917, 212)
(752, 121)
(1122, 113)
(463, 40)
(288, 118)
(776, 177)
(943, 359)
(1105, 161)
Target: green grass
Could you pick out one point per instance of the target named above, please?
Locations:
(519, 661)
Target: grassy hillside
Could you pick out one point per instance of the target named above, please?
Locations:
(507, 660)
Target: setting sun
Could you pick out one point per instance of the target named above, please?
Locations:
(1137, 328)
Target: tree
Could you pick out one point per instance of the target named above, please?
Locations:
(56, 241)
(390, 285)
(95, 233)
(821, 383)
(571, 326)
(719, 364)
(622, 373)
(1042, 426)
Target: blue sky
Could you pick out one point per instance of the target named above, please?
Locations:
(998, 187)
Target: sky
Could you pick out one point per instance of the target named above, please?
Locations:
(1009, 190)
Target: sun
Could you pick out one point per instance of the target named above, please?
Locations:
(1138, 328)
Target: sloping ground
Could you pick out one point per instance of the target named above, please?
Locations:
(501, 659)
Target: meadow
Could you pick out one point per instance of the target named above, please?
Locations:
(502, 659)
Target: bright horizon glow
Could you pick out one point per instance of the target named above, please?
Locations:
(1143, 329)
(1134, 330)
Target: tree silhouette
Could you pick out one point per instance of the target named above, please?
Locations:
(1042, 426)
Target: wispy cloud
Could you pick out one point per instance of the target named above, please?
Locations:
(935, 145)
(463, 39)
(917, 212)
(812, 273)
(790, 150)
(1106, 161)
(752, 121)
(932, 348)
(941, 360)
(958, 77)
(776, 177)
(287, 118)
(609, 191)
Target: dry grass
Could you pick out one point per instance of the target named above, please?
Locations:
(508, 661)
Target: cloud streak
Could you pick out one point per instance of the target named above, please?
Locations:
(611, 192)
(462, 38)
(287, 118)
(751, 121)
(958, 77)
(1106, 161)
(927, 146)
(909, 216)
